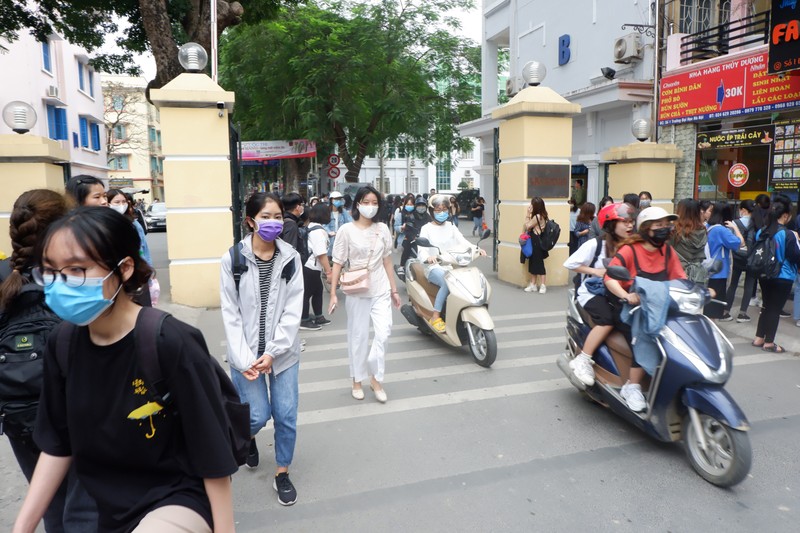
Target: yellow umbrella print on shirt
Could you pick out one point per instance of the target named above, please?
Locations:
(146, 411)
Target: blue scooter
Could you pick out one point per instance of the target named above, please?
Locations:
(686, 398)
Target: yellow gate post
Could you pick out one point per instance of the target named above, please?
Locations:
(644, 166)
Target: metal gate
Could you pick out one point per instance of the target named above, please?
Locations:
(237, 186)
(496, 189)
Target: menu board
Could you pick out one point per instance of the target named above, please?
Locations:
(785, 163)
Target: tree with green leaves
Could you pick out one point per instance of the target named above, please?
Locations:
(356, 75)
(159, 26)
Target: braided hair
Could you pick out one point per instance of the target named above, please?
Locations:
(33, 213)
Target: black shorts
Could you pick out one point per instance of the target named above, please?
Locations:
(599, 308)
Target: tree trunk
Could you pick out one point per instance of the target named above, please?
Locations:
(155, 20)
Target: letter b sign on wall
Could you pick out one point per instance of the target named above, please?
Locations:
(563, 50)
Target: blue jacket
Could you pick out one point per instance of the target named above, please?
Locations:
(648, 321)
(721, 241)
(787, 252)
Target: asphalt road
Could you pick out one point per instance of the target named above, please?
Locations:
(511, 448)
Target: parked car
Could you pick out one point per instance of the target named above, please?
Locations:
(156, 217)
(465, 199)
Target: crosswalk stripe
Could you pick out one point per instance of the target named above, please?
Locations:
(412, 354)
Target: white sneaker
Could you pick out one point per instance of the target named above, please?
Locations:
(530, 288)
(582, 368)
(632, 394)
(542, 289)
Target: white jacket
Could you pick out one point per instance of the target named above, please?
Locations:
(240, 312)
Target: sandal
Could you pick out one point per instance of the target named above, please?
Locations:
(773, 349)
(437, 325)
(756, 345)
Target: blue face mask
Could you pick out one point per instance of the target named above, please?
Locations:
(79, 305)
(409, 208)
(338, 203)
(441, 217)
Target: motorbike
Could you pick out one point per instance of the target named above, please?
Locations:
(466, 312)
(686, 398)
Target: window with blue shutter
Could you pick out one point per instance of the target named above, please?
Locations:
(52, 130)
(62, 132)
(74, 140)
(95, 137)
(46, 56)
(84, 132)
(91, 81)
(80, 76)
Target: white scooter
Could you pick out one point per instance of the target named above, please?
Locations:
(466, 311)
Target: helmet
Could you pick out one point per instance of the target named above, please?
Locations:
(653, 213)
(617, 211)
(420, 201)
(335, 194)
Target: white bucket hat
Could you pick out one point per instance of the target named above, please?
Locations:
(653, 213)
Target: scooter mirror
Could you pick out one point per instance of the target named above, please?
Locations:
(619, 273)
(422, 241)
(486, 233)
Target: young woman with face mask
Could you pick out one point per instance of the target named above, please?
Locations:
(262, 319)
(339, 217)
(413, 221)
(723, 237)
(119, 202)
(445, 236)
(366, 244)
(646, 254)
(171, 466)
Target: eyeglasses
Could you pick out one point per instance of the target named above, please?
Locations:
(47, 276)
(440, 210)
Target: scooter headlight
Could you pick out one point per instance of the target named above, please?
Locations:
(689, 302)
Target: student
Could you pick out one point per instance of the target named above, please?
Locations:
(366, 244)
(316, 265)
(147, 467)
(535, 222)
(71, 509)
(294, 204)
(261, 322)
(87, 190)
(723, 238)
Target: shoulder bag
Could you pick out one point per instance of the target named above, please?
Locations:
(356, 281)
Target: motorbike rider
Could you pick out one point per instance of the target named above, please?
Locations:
(445, 236)
(412, 224)
(646, 254)
(616, 221)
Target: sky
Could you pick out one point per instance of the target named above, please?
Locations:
(470, 22)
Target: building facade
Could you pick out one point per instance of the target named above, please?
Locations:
(55, 78)
(600, 56)
(737, 125)
(133, 131)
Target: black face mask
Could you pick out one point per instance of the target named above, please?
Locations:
(659, 236)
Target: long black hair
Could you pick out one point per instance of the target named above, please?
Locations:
(107, 238)
(780, 206)
(79, 187)
(256, 202)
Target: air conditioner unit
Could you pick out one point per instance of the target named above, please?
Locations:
(628, 47)
(511, 88)
(52, 91)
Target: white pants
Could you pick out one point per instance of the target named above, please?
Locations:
(366, 360)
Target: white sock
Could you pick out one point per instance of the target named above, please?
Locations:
(586, 355)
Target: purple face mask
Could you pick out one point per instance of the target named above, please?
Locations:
(269, 230)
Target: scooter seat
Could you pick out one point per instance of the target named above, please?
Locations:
(419, 277)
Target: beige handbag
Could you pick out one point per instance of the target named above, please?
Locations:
(356, 281)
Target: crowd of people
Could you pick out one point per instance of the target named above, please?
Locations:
(88, 253)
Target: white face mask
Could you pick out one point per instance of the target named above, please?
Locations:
(119, 208)
(368, 211)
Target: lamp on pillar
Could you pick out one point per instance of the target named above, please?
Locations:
(19, 116)
(641, 129)
(534, 73)
(192, 57)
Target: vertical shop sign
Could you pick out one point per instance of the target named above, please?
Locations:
(785, 162)
(784, 36)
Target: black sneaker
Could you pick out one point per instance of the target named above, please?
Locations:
(252, 456)
(287, 495)
(321, 321)
(742, 318)
(309, 325)
(785, 314)
(726, 318)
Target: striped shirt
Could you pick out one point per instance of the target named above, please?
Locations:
(264, 282)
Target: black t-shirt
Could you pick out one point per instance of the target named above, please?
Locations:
(132, 462)
(477, 210)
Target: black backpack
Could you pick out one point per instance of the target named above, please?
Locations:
(24, 328)
(550, 234)
(147, 337)
(239, 265)
(762, 261)
(302, 242)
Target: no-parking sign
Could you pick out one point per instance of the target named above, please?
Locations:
(334, 160)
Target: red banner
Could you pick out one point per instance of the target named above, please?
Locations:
(736, 87)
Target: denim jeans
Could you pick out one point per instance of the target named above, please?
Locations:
(796, 311)
(71, 510)
(278, 403)
(477, 225)
(436, 276)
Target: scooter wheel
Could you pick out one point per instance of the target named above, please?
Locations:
(484, 351)
(728, 456)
